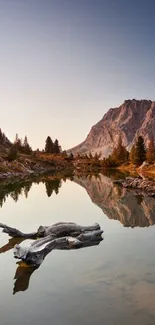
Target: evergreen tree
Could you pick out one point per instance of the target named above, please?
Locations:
(90, 155)
(120, 154)
(26, 147)
(150, 155)
(140, 151)
(132, 155)
(18, 143)
(49, 148)
(56, 147)
(49, 188)
(25, 144)
(27, 189)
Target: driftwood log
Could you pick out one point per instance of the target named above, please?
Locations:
(61, 235)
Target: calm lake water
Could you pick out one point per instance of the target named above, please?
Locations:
(112, 283)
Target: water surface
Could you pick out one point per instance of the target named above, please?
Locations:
(112, 283)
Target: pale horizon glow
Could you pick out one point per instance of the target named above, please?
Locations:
(65, 63)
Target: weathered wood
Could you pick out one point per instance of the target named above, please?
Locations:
(61, 235)
(13, 232)
(59, 229)
(37, 251)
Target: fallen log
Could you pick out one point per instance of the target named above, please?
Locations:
(61, 235)
(59, 229)
(36, 252)
(62, 229)
(13, 232)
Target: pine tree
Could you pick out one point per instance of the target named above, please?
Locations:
(26, 147)
(150, 155)
(132, 155)
(90, 155)
(26, 189)
(49, 188)
(56, 147)
(140, 151)
(18, 143)
(120, 154)
(49, 147)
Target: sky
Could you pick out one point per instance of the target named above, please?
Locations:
(64, 63)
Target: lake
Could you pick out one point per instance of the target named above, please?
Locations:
(112, 283)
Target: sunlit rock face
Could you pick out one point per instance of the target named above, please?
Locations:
(132, 118)
(131, 209)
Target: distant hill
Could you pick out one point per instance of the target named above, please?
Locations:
(132, 118)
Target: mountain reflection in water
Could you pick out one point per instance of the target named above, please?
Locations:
(130, 208)
(126, 206)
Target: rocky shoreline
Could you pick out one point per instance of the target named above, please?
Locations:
(26, 172)
(145, 186)
(29, 168)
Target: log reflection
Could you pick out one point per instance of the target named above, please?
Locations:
(22, 276)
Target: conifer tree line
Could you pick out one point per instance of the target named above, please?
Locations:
(23, 146)
(137, 155)
(120, 155)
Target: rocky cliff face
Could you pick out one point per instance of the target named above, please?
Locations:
(131, 119)
(120, 204)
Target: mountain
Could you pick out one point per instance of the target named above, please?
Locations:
(131, 119)
(126, 206)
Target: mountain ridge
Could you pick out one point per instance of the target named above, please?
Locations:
(129, 120)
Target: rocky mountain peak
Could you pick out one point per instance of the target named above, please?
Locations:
(129, 120)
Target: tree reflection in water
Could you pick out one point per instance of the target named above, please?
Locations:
(22, 188)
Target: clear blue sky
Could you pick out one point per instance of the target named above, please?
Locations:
(64, 63)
